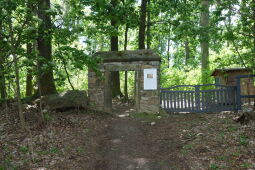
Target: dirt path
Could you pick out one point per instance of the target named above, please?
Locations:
(130, 144)
(97, 141)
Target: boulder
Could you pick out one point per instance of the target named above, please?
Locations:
(245, 117)
(66, 100)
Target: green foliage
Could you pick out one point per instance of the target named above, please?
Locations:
(47, 117)
(214, 166)
(80, 28)
(186, 148)
(2, 167)
(147, 116)
(52, 150)
(243, 140)
(23, 149)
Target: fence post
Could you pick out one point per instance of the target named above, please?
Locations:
(238, 93)
(197, 97)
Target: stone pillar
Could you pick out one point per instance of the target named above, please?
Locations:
(107, 92)
(150, 99)
(95, 91)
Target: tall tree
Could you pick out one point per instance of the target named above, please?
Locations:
(126, 72)
(16, 70)
(253, 29)
(204, 40)
(45, 49)
(30, 48)
(2, 69)
(148, 25)
(187, 51)
(115, 76)
(142, 25)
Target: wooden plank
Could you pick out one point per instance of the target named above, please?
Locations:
(218, 100)
(171, 100)
(185, 102)
(181, 100)
(192, 101)
(164, 100)
(188, 96)
(228, 104)
(202, 96)
(167, 100)
(214, 100)
(221, 99)
(174, 100)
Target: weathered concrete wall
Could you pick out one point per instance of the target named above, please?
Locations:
(146, 100)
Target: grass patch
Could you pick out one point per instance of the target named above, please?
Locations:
(186, 148)
(86, 130)
(222, 158)
(246, 165)
(147, 116)
(214, 166)
(23, 149)
(243, 140)
(53, 150)
(8, 164)
(47, 117)
(232, 129)
(80, 150)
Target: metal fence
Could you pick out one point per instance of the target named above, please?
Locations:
(199, 98)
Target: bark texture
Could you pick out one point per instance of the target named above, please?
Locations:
(45, 50)
(142, 26)
(2, 76)
(126, 72)
(148, 25)
(204, 40)
(29, 76)
(115, 76)
(187, 52)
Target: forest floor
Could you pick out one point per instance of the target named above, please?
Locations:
(90, 140)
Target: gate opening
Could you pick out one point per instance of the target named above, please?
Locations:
(125, 104)
(146, 67)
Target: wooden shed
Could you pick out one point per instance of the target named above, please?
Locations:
(228, 77)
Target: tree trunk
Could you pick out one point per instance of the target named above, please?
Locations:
(17, 79)
(115, 76)
(2, 69)
(126, 73)
(29, 77)
(30, 49)
(204, 40)
(2, 82)
(168, 53)
(187, 52)
(253, 28)
(44, 47)
(148, 25)
(142, 26)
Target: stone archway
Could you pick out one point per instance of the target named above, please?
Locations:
(145, 63)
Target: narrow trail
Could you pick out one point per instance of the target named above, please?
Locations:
(130, 144)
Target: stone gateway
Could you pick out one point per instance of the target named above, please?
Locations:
(145, 63)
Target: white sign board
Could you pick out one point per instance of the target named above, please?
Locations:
(150, 79)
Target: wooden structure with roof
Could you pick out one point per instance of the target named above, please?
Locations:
(229, 77)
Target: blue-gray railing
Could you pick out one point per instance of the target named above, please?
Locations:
(199, 98)
(239, 93)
